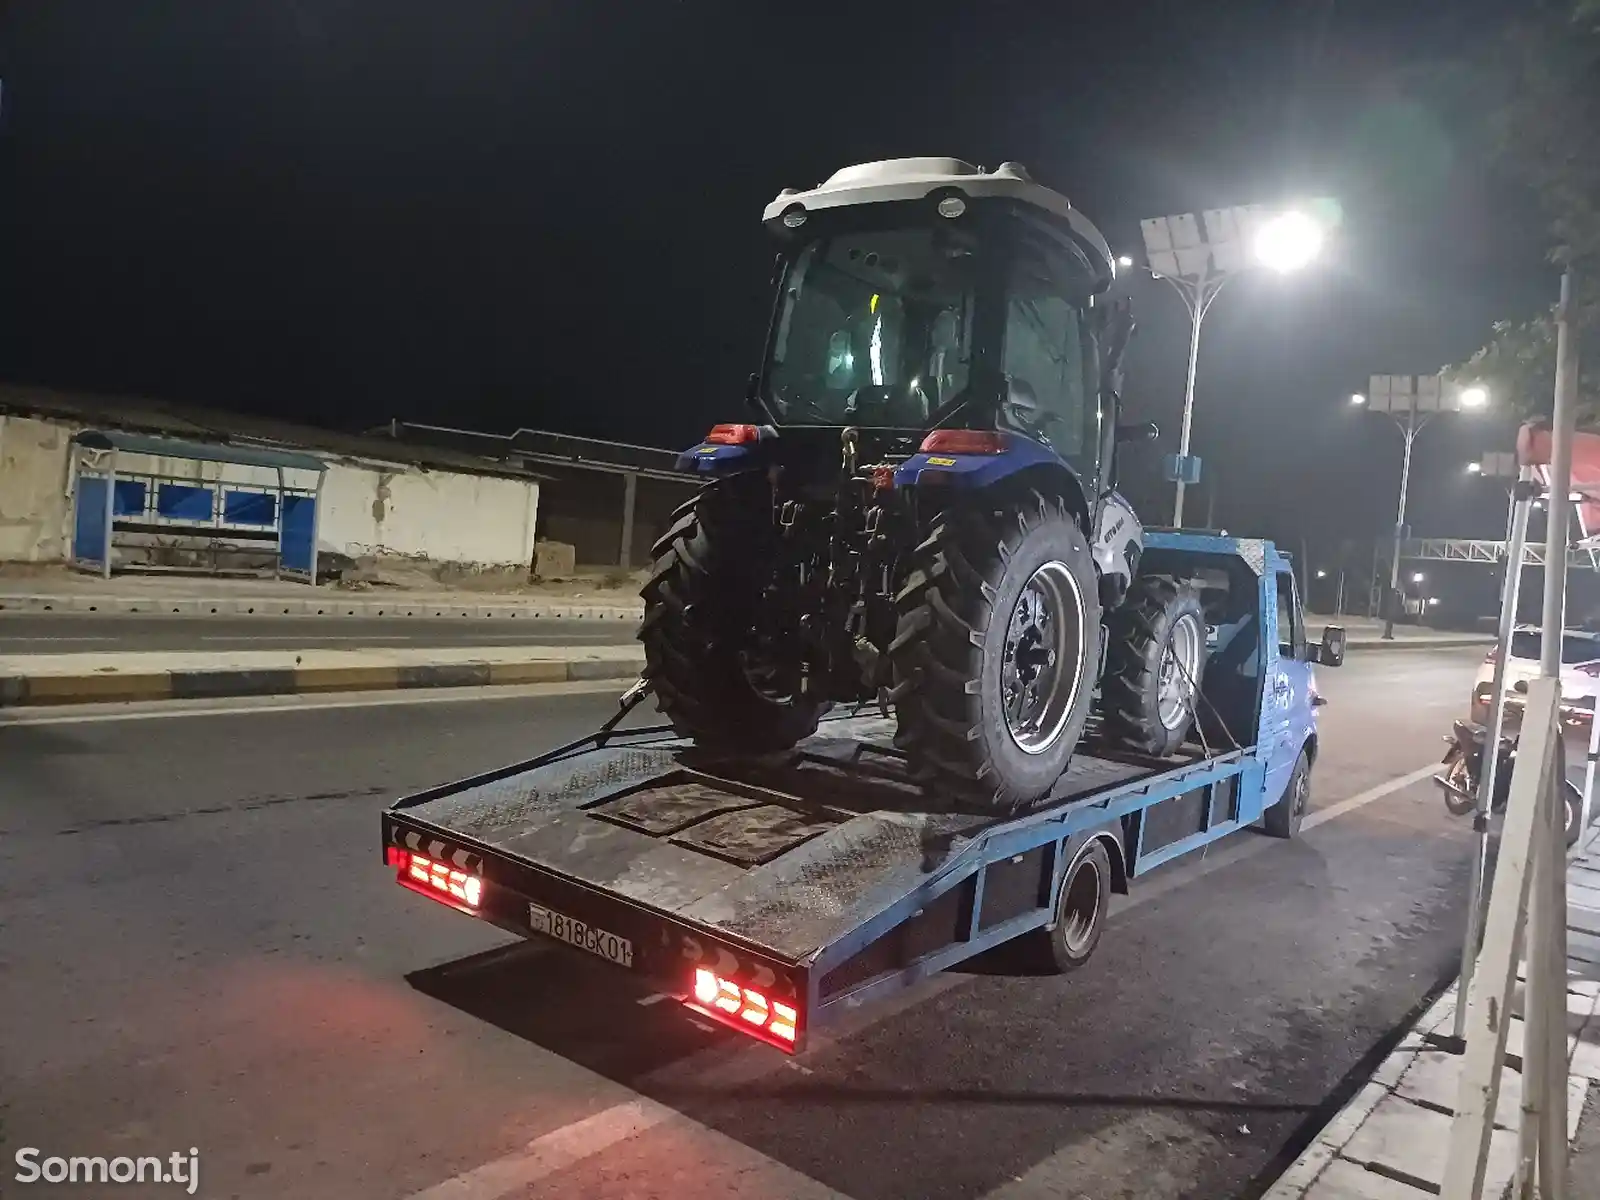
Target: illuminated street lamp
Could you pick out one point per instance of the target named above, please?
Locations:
(1197, 266)
(1411, 401)
(1474, 468)
(1417, 577)
(1321, 574)
(1357, 399)
(1288, 241)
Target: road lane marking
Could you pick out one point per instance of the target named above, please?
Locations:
(572, 1144)
(554, 1151)
(1360, 799)
(308, 702)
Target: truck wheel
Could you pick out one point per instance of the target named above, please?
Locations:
(1155, 648)
(1283, 819)
(699, 608)
(1080, 913)
(995, 652)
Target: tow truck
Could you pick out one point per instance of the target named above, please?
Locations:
(772, 894)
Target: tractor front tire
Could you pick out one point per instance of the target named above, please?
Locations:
(1155, 656)
(995, 652)
(699, 608)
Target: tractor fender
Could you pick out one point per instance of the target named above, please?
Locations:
(1117, 544)
(713, 460)
(1023, 462)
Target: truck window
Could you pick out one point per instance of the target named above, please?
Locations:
(1290, 634)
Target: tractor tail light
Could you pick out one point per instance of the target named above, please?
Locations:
(964, 441)
(752, 1011)
(436, 879)
(734, 435)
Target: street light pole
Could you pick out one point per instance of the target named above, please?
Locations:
(1409, 431)
(1198, 262)
(1197, 294)
(1407, 396)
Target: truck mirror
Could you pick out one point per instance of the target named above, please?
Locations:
(1143, 431)
(1331, 653)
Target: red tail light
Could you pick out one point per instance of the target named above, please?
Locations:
(744, 1008)
(964, 441)
(734, 435)
(436, 879)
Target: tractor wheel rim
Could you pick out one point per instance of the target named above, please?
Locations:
(1044, 654)
(1179, 665)
(1080, 907)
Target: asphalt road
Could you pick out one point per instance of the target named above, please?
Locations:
(66, 633)
(200, 948)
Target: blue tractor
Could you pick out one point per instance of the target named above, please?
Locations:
(923, 509)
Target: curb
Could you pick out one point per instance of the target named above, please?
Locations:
(16, 690)
(1439, 643)
(320, 606)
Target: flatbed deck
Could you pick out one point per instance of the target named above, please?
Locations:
(772, 894)
(787, 872)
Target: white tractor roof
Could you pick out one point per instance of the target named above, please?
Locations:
(913, 178)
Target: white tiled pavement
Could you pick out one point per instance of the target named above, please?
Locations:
(1389, 1142)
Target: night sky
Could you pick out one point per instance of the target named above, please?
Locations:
(546, 212)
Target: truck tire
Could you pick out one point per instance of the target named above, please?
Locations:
(995, 652)
(1144, 695)
(1283, 819)
(699, 608)
(1080, 916)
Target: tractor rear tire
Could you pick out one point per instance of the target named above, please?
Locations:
(995, 652)
(1144, 696)
(699, 607)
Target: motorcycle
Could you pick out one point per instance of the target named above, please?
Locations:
(1463, 766)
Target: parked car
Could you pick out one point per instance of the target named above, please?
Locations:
(1580, 672)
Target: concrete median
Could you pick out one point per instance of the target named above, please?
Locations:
(97, 678)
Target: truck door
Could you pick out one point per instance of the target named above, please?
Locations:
(1286, 698)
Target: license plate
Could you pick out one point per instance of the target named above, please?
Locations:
(580, 934)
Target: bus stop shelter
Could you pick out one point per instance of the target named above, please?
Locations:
(120, 501)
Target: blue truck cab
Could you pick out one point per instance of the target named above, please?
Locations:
(773, 895)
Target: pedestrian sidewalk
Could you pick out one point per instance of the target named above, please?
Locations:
(1365, 633)
(73, 592)
(176, 675)
(575, 600)
(1390, 1141)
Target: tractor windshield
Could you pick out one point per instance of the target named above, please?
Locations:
(875, 328)
(1050, 360)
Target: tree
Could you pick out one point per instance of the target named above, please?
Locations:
(1548, 136)
(1518, 366)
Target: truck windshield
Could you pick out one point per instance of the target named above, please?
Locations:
(875, 328)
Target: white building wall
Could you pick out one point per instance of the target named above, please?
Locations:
(366, 507)
(441, 515)
(34, 505)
